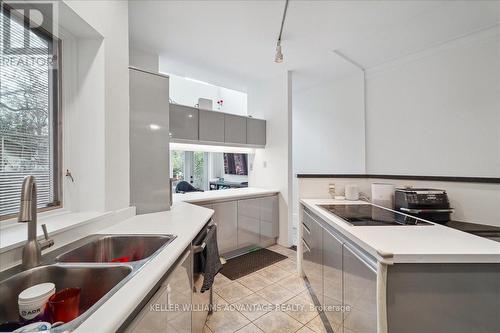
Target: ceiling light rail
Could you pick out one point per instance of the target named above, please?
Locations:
(278, 58)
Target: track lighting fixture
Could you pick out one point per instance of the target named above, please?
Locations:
(278, 58)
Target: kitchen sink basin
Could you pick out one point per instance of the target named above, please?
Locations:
(115, 248)
(98, 264)
(95, 282)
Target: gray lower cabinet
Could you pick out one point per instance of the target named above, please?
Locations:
(184, 122)
(332, 278)
(313, 257)
(166, 311)
(256, 131)
(248, 222)
(235, 129)
(360, 291)
(211, 126)
(269, 220)
(226, 217)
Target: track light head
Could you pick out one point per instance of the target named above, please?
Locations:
(278, 58)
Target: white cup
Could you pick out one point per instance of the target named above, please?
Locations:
(32, 301)
(351, 192)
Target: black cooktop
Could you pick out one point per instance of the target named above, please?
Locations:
(369, 215)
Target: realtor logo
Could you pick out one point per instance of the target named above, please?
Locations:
(34, 18)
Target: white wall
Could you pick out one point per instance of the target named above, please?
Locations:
(328, 130)
(103, 106)
(187, 91)
(143, 60)
(271, 167)
(328, 127)
(437, 112)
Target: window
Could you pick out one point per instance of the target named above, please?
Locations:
(189, 166)
(29, 120)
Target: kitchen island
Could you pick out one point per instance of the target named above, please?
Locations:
(246, 218)
(398, 278)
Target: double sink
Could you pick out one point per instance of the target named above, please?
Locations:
(98, 264)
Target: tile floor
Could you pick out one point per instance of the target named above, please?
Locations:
(278, 284)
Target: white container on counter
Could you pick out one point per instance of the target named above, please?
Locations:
(32, 301)
(383, 195)
(352, 192)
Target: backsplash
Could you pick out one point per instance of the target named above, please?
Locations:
(473, 202)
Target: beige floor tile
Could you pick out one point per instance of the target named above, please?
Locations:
(307, 294)
(219, 302)
(288, 265)
(283, 250)
(274, 273)
(220, 281)
(305, 329)
(250, 328)
(226, 321)
(254, 281)
(233, 292)
(316, 325)
(276, 294)
(293, 283)
(253, 306)
(277, 322)
(301, 309)
(206, 329)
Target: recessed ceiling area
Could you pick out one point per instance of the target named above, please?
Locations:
(232, 43)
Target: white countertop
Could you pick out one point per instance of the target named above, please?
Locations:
(411, 244)
(221, 195)
(184, 221)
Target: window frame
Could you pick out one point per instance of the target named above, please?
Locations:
(54, 45)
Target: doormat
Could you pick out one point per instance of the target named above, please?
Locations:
(250, 263)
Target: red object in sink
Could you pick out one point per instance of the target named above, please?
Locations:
(64, 305)
(121, 259)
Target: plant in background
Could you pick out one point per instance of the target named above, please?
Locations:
(220, 102)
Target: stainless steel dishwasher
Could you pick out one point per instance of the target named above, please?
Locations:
(202, 302)
(176, 304)
(167, 308)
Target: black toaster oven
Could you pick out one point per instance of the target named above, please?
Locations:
(425, 203)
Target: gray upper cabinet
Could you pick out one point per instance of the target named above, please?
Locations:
(191, 124)
(256, 132)
(235, 129)
(149, 183)
(183, 122)
(211, 126)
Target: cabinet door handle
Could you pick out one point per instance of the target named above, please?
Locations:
(306, 228)
(306, 246)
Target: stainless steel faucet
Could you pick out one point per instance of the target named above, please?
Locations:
(32, 251)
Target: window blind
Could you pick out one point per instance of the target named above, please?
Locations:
(27, 117)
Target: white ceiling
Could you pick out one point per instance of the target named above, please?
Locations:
(232, 43)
